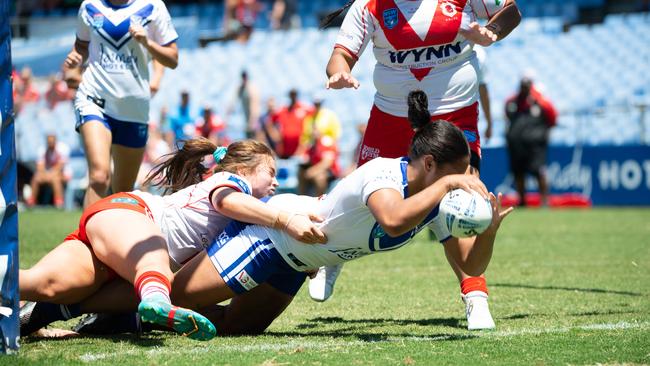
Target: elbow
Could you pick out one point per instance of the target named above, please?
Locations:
(173, 64)
(395, 228)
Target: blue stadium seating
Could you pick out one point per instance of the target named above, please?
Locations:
(596, 75)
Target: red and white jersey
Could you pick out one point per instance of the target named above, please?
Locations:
(187, 218)
(417, 46)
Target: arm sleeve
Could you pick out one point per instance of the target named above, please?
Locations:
(83, 24)
(356, 30)
(161, 28)
(382, 178)
(485, 9)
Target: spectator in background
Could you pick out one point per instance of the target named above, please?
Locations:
(24, 91)
(58, 91)
(266, 131)
(530, 116)
(321, 167)
(212, 127)
(248, 96)
(325, 121)
(319, 150)
(283, 14)
(50, 170)
(239, 19)
(289, 122)
(181, 124)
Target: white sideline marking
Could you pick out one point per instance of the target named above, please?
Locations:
(325, 344)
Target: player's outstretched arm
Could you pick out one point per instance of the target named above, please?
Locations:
(246, 208)
(473, 254)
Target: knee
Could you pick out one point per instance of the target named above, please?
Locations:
(49, 289)
(99, 179)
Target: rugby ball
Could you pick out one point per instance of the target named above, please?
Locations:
(466, 214)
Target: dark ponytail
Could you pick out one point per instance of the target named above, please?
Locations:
(331, 16)
(418, 113)
(440, 139)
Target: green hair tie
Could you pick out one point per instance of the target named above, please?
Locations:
(219, 154)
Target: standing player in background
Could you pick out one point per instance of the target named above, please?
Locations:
(427, 45)
(530, 118)
(118, 38)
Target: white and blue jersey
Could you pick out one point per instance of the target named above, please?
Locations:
(247, 255)
(116, 82)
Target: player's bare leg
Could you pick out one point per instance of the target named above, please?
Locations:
(138, 253)
(127, 161)
(97, 145)
(66, 275)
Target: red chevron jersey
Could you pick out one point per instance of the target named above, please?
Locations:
(417, 46)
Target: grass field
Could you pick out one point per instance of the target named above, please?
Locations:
(567, 287)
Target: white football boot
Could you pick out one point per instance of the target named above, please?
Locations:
(321, 287)
(477, 311)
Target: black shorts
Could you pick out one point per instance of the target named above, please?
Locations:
(528, 158)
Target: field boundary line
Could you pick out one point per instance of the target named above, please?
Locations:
(301, 344)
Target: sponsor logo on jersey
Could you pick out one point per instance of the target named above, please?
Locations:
(97, 21)
(116, 62)
(245, 280)
(390, 18)
(368, 152)
(425, 54)
(448, 9)
(349, 254)
(128, 200)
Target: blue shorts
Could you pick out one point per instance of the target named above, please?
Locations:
(245, 257)
(129, 134)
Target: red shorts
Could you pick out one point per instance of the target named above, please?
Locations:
(389, 136)
(124, 201)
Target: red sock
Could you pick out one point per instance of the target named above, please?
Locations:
(473, 284)
(152, 283)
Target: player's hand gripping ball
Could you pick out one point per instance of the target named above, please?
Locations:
(466, 214)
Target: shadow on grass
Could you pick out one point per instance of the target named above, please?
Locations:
(362, 329)
(573, 289)
(585, 313)
(373, 337)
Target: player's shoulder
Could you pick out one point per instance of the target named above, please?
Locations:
(229, 179)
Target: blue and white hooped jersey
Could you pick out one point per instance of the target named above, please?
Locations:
(351, 229)
(118, 66)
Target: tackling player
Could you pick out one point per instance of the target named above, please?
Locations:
(136, 235)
